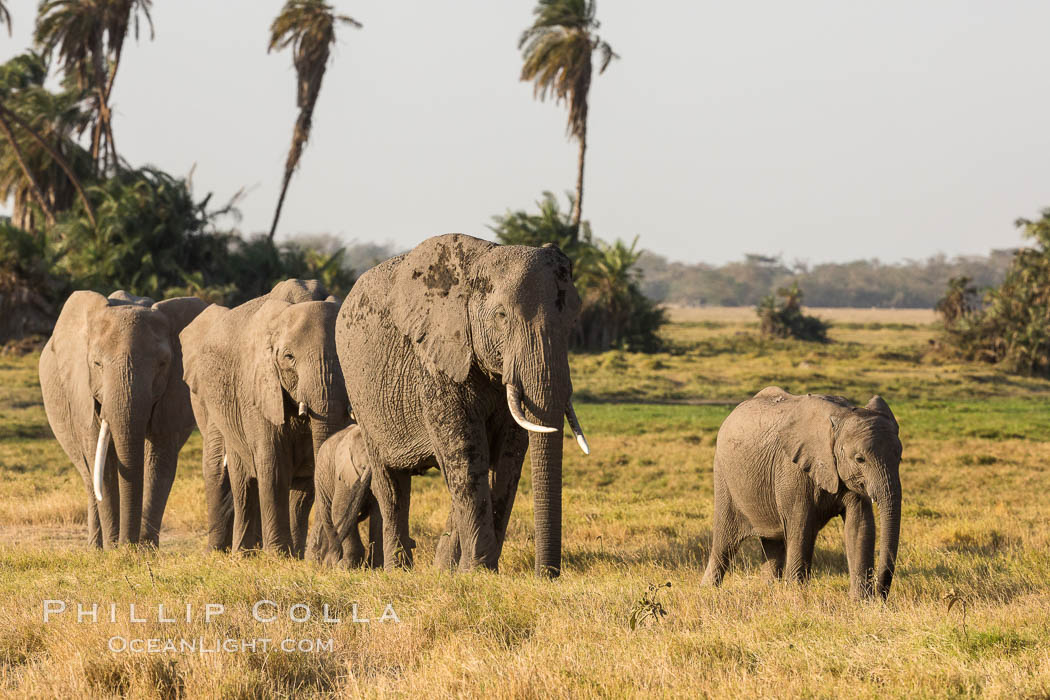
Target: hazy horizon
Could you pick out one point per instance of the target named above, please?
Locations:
(818, 131)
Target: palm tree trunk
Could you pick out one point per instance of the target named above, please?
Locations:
(280, 202)
(56, 156)
(38, 194)
(577, 206)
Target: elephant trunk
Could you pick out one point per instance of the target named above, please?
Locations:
(889, 502)
(545, 388)
(324, 400)
(126, 407)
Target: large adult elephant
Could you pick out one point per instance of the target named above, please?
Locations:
(456, 355)
(111, 373)
(267, 391)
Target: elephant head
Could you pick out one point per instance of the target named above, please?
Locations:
(124, 352)
(294, 367)
(506, 312)
(860, 449)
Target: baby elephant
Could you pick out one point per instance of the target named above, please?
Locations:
(344, 499)
(785, 465)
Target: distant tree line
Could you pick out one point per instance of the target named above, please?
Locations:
(861, 283)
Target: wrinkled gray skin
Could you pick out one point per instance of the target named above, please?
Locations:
(344, 499)
(428, 342)
(251, 370)
(119, 360)
(785, 465)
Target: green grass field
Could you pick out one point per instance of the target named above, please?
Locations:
(976, 530)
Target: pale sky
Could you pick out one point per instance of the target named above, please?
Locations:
(822, 130)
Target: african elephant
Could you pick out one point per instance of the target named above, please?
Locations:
(785, 465)
(342, 487)
(267, 391)
(455, 355)
(111, 373)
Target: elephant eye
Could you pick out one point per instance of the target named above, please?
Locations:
(859, 457)
(288, 356)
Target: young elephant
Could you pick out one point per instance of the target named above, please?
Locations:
(344, 498)
(785, 465)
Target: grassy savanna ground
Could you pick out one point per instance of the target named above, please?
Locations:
(637, 512)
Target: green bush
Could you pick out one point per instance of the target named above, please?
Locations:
(1012, 325)
(787, 320)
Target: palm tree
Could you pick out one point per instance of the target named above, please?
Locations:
(308, 26)
(5, 16)
(47, 123)
(87, 36)
(557, 51)
(30, 176)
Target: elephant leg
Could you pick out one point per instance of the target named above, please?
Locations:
(353, 548)
(315, 541)
(448, 551)
(218, 492)
(94, 525)
(858, 534)
(393, 490)
(504, 483)
(301, 500)
(273, 480)
(775, 552)
(800, 539)
(463, 455)
(161, 460)
(374, 552)
(246, 517)
(729, 529)
(109, 506)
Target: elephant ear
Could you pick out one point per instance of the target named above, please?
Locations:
(877, 405)
(811, 445)
(173, 406)
(194, 345)
(265, 381)
(428, 301)
(78, 316)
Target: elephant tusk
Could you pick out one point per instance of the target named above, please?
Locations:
(302, 409)
(224, 462)
(101, 450)
(514, 403)
(574, 423)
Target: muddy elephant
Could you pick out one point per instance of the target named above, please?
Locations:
(343, 495)
(455, 355)
(785, 465)
(111, 376)
(267, 391)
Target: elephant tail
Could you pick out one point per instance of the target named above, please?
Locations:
(346, 504)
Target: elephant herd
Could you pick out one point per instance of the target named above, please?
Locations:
(454, 356)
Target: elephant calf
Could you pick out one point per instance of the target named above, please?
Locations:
(785, 465)
(344, 499)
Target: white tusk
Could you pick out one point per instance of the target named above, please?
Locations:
(101, 450)
(302, 409)
(224, 460)
(514, 403)
(574, 423)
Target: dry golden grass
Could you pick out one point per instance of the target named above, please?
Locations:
(976, 526)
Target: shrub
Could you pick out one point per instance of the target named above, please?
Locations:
(1012, 326)
(787, 320)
